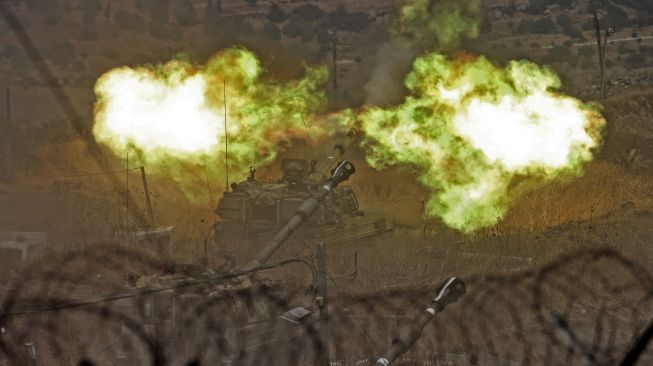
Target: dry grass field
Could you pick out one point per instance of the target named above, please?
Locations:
(81, 211)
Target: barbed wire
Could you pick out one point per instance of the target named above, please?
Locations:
(56, 305)
(592, 308)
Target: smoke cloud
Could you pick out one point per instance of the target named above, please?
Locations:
(438, 24)
(478, 135)
(392, 62)
(472, 130)
(432, 25)
(172, 116)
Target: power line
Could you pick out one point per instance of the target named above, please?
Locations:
(48, 77)
(82, 174)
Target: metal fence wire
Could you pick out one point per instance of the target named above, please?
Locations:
(592, 308)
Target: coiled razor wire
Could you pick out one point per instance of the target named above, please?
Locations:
(591, 308)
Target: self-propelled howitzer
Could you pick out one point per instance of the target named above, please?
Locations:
(340, 173)
(256, 209)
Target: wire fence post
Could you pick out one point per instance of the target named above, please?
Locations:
(146, 190)
(323, 306)
(30, 347)
(7, 134)
(226, 137)
(127, 192)
(3, 334)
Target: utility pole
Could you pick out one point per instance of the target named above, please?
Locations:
(606, 34)
(602, 48)
(30, 347)
(599, 43)
(334, 61)
(334, 71)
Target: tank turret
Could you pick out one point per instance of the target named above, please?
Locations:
(255, 209)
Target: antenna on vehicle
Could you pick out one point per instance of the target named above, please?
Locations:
(226, 136)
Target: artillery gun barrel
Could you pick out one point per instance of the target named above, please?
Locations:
(448, 292)
(339, 174)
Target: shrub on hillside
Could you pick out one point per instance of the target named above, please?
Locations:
(573, 60)
(545, 25)
(168, 32)
(636, 60)
(159, 11)
(342, 20)
(586, 50)
(587, 26)
(558, 54)
(563, 20)
(129, 21)
(572, 32)
(540, 26)
(486, 25)
(227, 28)
(309, 12)
(646, 50)
(537, 7)
(298, 27)
(272, 31)
(616, 17)
(622, 48)
(186, 16)
(276, 15)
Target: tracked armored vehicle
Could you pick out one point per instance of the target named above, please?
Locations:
(237, 318)
(255, 209)
(227, 318)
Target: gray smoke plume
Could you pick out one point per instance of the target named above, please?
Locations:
(437, 25)
(420, 26)
(393, 61)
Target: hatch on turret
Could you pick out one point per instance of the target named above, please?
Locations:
(255, 208)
